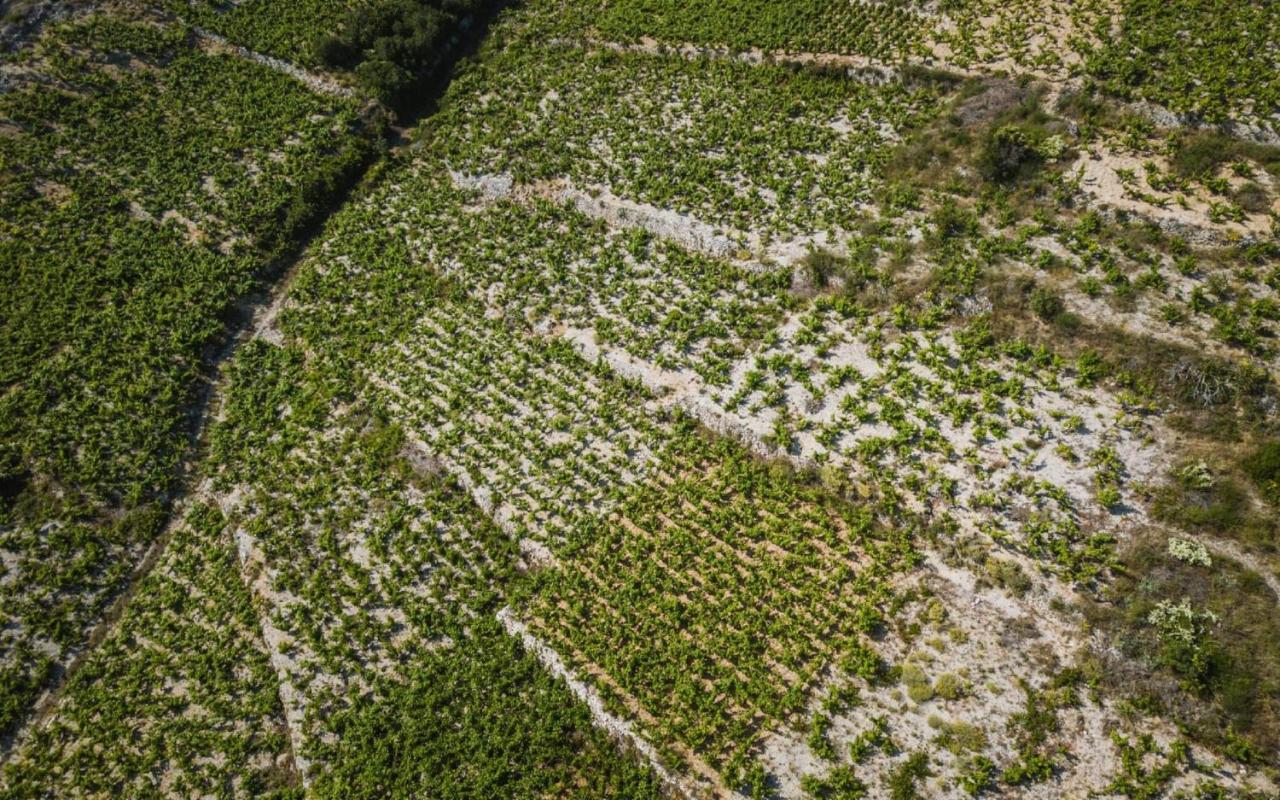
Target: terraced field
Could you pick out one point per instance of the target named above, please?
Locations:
(148, 185)
(769, 400)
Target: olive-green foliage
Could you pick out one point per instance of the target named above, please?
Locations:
(1008, 575)
(1139, 780)
(740, 156)
(1263, 467)
(481, 719)
(104, 339)
(959, 737)
(1222, 508)
(1007, 153)
(919, 687)
(181, 683)
(840, 784)
(978, 776)
(1198, 56)
(1201, 154)
(112, 306)
(820, 266)
(834, 26)
(904, 781)
(1046, 304)
(724, 496)
(1233, 664)
(1031, 728)
(282, 29)
(949, 686)
(393, 44)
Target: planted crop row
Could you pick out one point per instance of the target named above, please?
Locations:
(1043, 37)
(753, 148)
(718, 591)
(537, 429)
(1214, 60)
(179, 700)
(543, 263)
(378, 581)
(957, 420)
(388, 48)
(1196, 56)
(376, 584)
(886, 30)
(287, 30)
(478, 720)
(146, 185)
(365, 563)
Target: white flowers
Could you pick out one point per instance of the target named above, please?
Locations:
(1180, 621)
(1052, 148)
(1196, 476)
(1189, 551)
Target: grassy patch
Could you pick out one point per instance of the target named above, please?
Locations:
(1226, 668)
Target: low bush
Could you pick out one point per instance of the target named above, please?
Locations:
(1252, 198)
(1046, 305)
(1263, 468)
(1006, 154)
(1200, 154)
(903, 783)
(1201, 644)
(1216, 507)
(919, 687)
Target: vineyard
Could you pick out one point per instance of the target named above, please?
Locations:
(639, 399)
(147, 186)
(1192, 57)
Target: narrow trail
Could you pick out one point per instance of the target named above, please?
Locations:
(252, 316)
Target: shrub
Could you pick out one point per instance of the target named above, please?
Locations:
(950, 221)
(875, 737)
(949, 686)
(1046, 305)
(902, 783)
(819, 267)
(1007, 153)
(1252, 198)
(863, 662)
(1008, 575)
(959, 737)
(978, 776)
(385, 81)
(1031, 768)
(1196, 475)
(392, 44)
(1201, 154)
(919, 687)
(336, 51)
(1189, 552)
(1263, 468)
(1089, 368)
(1218, 507)
(1185, 644)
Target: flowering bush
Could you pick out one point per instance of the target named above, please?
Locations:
(1189, 551)
(1184, 637)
